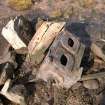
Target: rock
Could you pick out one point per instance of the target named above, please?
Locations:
(19, 4)
(91, 84)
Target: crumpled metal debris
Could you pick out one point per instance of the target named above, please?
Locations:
(42, 40)
(18, 99)
(63, 51)
(18, 33)
(52, 54)
(63, 60)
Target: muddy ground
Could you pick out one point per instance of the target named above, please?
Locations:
(85, 19)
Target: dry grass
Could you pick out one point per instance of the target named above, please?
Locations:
(19, 4)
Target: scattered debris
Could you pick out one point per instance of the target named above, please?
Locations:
(9, 33)
(52, 54)
(17, 34)
(11, 96)
(63, 61)
(42, 40)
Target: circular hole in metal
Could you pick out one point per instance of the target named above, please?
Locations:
(63, 60)
(70, 42)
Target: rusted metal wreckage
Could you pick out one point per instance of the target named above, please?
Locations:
(53, 51)
(61, 57)
(63, 60)
(56, 50)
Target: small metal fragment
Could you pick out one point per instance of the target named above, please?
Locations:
(11, 96)
(18, 33)
(92, 76)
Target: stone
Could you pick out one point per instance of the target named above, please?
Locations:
(91, 84)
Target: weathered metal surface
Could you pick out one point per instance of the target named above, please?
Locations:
(63, 60)
(67, 50)
(42, 39)
(18, 33)
(11, 36)
(18, 99)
